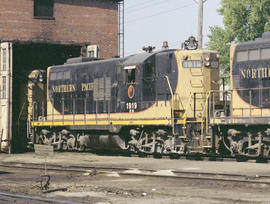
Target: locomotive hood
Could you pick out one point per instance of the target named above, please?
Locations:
(140, 58)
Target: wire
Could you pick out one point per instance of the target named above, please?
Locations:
(135, 6)
(134, 9)
(160, 13)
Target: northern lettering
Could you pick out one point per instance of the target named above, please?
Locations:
(64, 88)
(255, 73)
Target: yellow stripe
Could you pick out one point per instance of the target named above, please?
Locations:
(103, 122)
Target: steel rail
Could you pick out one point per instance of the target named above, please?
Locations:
(37, 198)
(223, 177)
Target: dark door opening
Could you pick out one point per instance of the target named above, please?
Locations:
(26, 58)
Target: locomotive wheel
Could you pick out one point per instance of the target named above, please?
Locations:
(149, 144)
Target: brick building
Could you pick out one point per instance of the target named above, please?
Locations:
(61, 22)
(35, 34)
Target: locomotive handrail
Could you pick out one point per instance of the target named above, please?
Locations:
(187, 109)
(205, 114)
(249, 110)
(172, 106)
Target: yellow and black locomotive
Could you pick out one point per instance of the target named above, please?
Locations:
(153, 102)
(163, 102)
(245, 123)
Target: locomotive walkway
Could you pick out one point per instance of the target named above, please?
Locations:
(250, 168)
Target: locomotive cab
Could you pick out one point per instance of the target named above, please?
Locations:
(36, 96)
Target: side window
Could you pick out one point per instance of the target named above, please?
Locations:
(53, 76)
(118, 73)
(169, 67)
(59, 76)
(66, 75)
(149, 83)
(130, 74)
(148, 71)
(265, 53)
(43, 8)
(241, 56)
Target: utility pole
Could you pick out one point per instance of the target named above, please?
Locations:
(200, 24)
(121, 31)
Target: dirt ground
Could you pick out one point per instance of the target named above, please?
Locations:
(110, 188)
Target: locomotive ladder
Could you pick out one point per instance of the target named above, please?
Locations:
(203, 120)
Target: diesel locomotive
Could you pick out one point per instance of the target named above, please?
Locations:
(244, 126)
(153, 102)
(162, 102)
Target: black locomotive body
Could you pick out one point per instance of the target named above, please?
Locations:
(127, 85)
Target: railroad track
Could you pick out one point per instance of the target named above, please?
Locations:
(31, 198)
(189, 175)
(194, 156)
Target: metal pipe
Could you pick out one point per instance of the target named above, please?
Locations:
(194, 101)
(250, 105)
(63, 110)
(172, 111)
(259, 144)
(249, 140)
(73, 110)
(225, 103)
(85, 111)
(213, 104)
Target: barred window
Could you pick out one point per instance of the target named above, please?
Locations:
(43, 8)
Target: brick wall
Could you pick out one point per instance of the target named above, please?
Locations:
(75, 22)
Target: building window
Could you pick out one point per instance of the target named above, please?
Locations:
(43, 8)
(4, 62)
(93, 51)
(4, 89)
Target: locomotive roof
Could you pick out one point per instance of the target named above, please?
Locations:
(140, 58)
(257, 43)
(126, 61)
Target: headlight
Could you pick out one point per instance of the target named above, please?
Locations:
(207, 64)
(40, 78)
(207, 58)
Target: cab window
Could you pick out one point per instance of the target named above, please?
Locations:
(130, 74)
